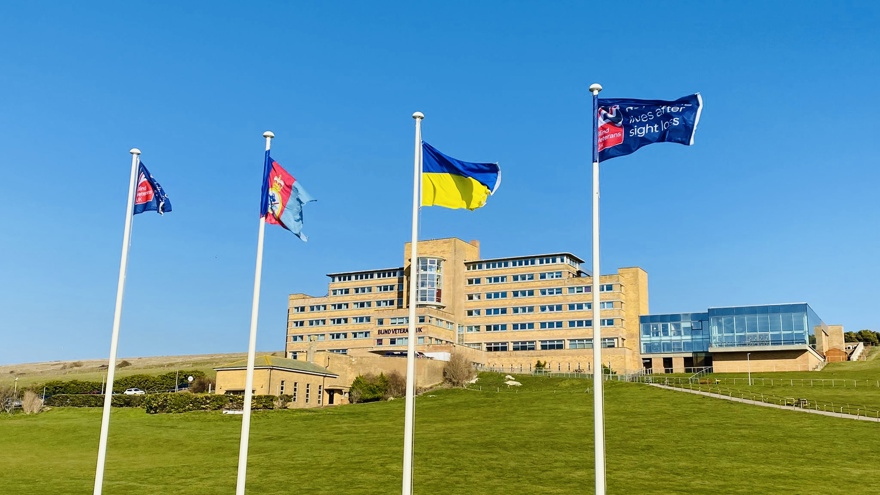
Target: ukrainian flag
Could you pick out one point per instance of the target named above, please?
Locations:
(456, 184)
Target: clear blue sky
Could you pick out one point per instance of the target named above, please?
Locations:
(774, 203)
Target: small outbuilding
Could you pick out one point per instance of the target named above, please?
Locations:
(305, 382)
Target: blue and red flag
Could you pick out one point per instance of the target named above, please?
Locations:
(149, 196)
(283, 198)
(626, 125)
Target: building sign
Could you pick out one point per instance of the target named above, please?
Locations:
(396, 331)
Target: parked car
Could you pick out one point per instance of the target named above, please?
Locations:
(133, 391)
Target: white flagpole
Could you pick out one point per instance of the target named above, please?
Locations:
(252, 351)
(409, 417)
(598, 396)
(117, 317)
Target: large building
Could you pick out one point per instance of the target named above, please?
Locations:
(510, 312)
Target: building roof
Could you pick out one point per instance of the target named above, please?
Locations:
(570, 255)
(372, 270)
(275, 362)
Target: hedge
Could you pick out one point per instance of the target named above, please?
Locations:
(177, 403)
(94, 400)
(149, 383)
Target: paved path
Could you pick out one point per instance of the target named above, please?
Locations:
(764, 404)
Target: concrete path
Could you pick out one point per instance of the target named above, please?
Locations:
(764, 404)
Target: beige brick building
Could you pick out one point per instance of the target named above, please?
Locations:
(509, 312)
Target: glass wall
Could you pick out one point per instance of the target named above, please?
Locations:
(430, 287)
(780, 324)
(682, 332)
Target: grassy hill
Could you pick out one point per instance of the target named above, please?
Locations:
(94, 369)
(488, 440)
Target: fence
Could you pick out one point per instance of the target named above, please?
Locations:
(715, 387)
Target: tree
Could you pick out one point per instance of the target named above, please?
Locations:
(869, 337)
(458, 371)
(368, 388)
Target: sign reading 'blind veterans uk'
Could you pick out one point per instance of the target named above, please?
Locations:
(626, 125)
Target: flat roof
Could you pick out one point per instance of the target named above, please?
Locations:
(366, 271)
(526, 257)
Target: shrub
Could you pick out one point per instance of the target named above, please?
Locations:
(94, 400)
(396, 385)
(177, 403)
(458, 371)
(368, 388)
(56, 387)
(201, 385)
(122, 364)
(7, 398)
(31, 402)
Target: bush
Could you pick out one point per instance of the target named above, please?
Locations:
(458, 371)
(94, 400)
(56, 387)
(122, 364)
(178, 403)
(396, 385)
(368, 388)
(201, 385)
(31, 402)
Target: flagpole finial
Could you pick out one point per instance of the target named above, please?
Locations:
(418, 115)
(134, 151)
(595, 88)
(268, 134)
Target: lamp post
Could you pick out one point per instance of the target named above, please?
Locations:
(749, 365)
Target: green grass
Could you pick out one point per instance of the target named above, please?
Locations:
(531, 439)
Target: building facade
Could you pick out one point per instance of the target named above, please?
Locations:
(512, 311)
(771, 337)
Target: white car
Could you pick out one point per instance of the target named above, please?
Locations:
(133, 391)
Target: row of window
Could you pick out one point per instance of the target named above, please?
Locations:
(295, 392)
(367, 276)
(542, 325)
(544, 308)
(547, 345)
(321, 337)
(543, 260)
(547, 291)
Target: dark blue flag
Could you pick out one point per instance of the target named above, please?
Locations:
(627, 125)
(149, 195)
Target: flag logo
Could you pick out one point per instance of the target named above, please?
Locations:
(610, 127)
(149, 195)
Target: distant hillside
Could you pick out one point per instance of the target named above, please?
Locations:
(96, 369)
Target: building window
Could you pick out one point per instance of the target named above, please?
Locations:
(338, 321)
(308, 392)
(524, 346)
(340, 278)
(473, 297)
(398, 341)
(524, 293)
(362, 304)
(339, 306)
(281, 388)
(581, 289)
(499, 327)
(387, 303)
(299, 309)
(496, 295)
(496, 311)
(385, 288)
(523, 326)
(297, 338)
(496, 346)
(580, 306)
(363, 290)
(316, 337)
(607, 322)
(299, 323)
(472, 328)
(606, 288)
(378, 342)
(498, 279)
(430, 283)
(294, 394)
(546, 325)
(523, 262)
(517, 310)
(320, 394)
(523, 277)
(551, 308)
(360, 319)
(338, 351)
(551, 345)
(609, 342)
(580, 323)
(580, 344)
(550, 275)
(473, 281)
(398, 320)
(339, 292)
(292, 355)
(338, 336)
(606, 305)
(552, 291)
(318, 307)
(473, 312)
(317, 323)
(360, 335)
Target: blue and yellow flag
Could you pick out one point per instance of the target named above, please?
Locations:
(453, 183)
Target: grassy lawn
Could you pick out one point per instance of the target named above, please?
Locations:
(531, 439)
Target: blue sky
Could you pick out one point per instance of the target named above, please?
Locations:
(774, 203)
